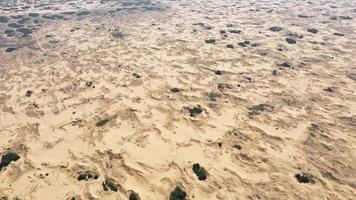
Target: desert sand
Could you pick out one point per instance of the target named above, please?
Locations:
(150, 100)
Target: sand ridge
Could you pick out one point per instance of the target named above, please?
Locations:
(87, 101)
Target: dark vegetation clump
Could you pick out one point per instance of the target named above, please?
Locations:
(7, 158)
(177, 194)
(109, 184)
(196, 110)
(102, 122)
(134, 196)
(304, 178)
(213, 96)
(201, 173)
(86, 176)
(218, 72)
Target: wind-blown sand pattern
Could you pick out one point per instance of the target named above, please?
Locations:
(119, 99)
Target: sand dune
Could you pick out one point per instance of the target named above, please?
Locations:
(119, 99)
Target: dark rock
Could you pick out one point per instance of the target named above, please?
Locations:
(285, 64)
(274, 72)
(109, 184)
(256, 110)
(86, 176)
(304, 178)
(345, 17)
(7, 158)
(291, 40)
(136, 75)
(339, 34)
(81, 13)
(235, 31)
(175, 90)
(25, 31)
(33, 14)
(200, 172)
(218, 72)
(328, 89)
(213, 96)
(28, 93)
(304, 16)
(237, 146)
(242, 44)
(3, 19)
(102, 122)
(134, 196)
(222, 86)
(222, 31)
(9, 32)
(88, 83)
(275, 28)
(312, 30)
(230, 46)
(117, 34)
(177, 194)
(10, 49)
(210, 41)
(15, 25)
(195, 111)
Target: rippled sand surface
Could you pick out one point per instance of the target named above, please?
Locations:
(150, 100)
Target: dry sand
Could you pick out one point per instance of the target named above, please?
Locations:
(129, 94)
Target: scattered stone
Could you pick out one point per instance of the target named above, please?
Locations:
(28, 93)
(304, 16)
(3, 19)
(86, 176)
(175, 90)
(109, 184)
(177, 194)
(7, 158)
(256, 110)
(222, 86)
(304, 178)
(328, 89)
(291, 40)
(244, 43)
(274, 72)
(285, 64)
(81, 13)
(222, 31)
(117, 34)
(213, 96)
(235, 31)
(339, 34)
(25, 31)
(218, 72)
(102, 122)
(195, 111)
(210, 41)
(134, 196)
(88, 83)
(237, 146)
(9, 32)
(136, 75)
(33, 14)
(229, 25)
(345, 17)
(200, 172)
(10, 49)
(275, 28)
(312, 30)
(15, 25)
(230, 46)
